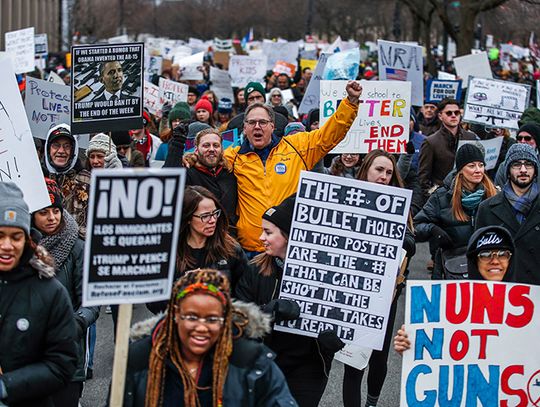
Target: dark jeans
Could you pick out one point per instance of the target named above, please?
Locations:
(307, 384)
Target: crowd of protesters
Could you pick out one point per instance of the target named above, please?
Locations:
(215, 344)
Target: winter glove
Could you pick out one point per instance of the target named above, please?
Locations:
(282, 310)
(329, 341)
(112, 161)
(441, 237)
(410, 148)
(180, 132)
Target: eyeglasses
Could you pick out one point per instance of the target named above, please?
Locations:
(488, 255)
(211, 321)
(205, 217)
(524, 138)
(262, 123)
(450, 113)
(58, 146)
(518, 164)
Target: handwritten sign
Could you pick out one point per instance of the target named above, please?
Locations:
(402, 62)
(382, 120)
(172, 92)
(221, 83)
(191, 67)
(20, 45)
(343, 257)
(19, 162)
(492, 148)
(41, 45)
(473, 344)
(312, 97)
(244, 69)
(473, 65)
(495, 103)
(151, 97)
(437, 90)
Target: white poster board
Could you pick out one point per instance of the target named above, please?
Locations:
(41, 45)
(279, 51)
(191, 67)
(382, 120)
(152, 66)
(473, 344)
(19, 161)
(132, 235)
(446, 76)
(312, 97)
(151, 97)
(492, 148)
(47, 104)
(221, 83)
(495, 103)
(244, 69)
(172, 92)
(403, 62)
(476, 65)
(20, 45)
(343, 257)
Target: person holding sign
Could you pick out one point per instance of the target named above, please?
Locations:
(61, 238)
(489, 257)
(202, 352)
(378, 167)
(204, 240)
(38, 354)
(268, 168)
(305, 361)
(448, 215)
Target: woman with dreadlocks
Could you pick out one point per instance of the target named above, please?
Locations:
(196, 356)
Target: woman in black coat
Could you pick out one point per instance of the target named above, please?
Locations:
(38, 353)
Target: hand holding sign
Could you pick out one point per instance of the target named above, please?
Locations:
(354, 91)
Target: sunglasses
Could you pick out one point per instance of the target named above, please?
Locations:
(488, 255)
(523, 138)
(450, 113)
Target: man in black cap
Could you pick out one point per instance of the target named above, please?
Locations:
(517, 208)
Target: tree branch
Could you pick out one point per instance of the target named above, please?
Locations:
(443, 15)
(486, 5)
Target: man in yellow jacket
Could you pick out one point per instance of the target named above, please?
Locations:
(268, 168)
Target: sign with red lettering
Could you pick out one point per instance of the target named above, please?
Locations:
(382, 120)
(473, 344)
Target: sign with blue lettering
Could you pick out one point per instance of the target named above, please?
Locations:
(437, 90)
(473, 343)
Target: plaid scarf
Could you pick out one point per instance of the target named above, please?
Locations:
(521, 204)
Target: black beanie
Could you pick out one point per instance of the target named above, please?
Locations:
(121, 138)
(490, 238)
(466, 154)
(533, 129)
(282, 214)
(313, 116)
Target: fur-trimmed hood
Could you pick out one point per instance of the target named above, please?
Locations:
(258, 325)
(42, 262)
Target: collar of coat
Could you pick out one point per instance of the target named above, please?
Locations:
(246, 146)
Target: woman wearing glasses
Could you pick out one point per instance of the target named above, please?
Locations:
(204, 240)
(447, 218)
(199, 354)
(489, 255)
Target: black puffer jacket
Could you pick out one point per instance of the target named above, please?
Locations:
(38, 353)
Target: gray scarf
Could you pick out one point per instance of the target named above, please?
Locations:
(60, 244)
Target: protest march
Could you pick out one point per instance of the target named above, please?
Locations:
(263, 220)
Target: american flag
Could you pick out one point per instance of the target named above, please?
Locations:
(393, 74)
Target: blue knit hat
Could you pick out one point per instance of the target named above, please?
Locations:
(521, 151)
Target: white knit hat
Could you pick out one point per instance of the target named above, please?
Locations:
(101, 142)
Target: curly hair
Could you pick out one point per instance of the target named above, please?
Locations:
(167, 344)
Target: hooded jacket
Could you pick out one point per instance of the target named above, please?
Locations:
(253, 379)
(38, 352)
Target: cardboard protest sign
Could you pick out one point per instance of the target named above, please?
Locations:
(106, 87)
(221, 83)
(476, 65)
(152, 66)
(343, 256)
(402, 62)
(151, 97)
(191, 67)
(172, 92)
(472, 344)
(284, 67)
(312, 96)
(495, 103)
(20, 46)
(492, 148)
(132, 235)
(437, 90)
(446, 76)
(244, 69)
(19, 162)
(222, 58)
(41, 45)
(47, 105)
(383, 115)
(279, 51)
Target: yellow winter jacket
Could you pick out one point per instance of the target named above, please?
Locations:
(261, 187)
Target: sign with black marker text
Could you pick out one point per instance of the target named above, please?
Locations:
(132, 235)
(343, 257)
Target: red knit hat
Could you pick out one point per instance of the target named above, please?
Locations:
(204, 104)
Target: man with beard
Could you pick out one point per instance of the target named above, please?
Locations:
(212, 172)
(517, 208)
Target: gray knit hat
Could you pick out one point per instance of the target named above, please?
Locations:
(101, 142)
(196, 127)
(14, 211)
(521, 151)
